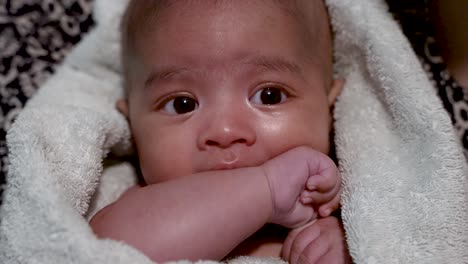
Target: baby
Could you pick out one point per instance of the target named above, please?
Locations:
(229, 105)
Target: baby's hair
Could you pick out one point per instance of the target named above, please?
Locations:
(138, 14)
(142, 13)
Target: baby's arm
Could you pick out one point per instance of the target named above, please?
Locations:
(206, 215)
(202, 216)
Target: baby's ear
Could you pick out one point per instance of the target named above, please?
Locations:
(335, 91)
(122, 106)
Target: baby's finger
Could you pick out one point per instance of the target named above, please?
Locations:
(339, 255)
(306, 236)
(313, 251)
(324, 182)
(286, 250)
(299, 216)
(324, 197)
(291, 238)
(337, 250)
(306, 197)
(316, 198)
(329, 207)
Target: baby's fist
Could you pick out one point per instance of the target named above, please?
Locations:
(298, 179)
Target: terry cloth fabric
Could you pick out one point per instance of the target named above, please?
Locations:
(405, 178)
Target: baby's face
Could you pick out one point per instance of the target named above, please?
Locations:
(225, 87)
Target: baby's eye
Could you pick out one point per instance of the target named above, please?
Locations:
(269, 96)
(179, 105)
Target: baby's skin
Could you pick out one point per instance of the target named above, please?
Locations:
(186, 217)
(230, 110)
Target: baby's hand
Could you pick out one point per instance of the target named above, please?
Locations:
(322, 241)
(299, 178)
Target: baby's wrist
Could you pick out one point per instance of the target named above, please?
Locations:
(270, 190)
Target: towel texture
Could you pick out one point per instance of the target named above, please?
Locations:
(405, 178)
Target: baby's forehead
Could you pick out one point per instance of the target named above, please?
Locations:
(152, 13)
(144, 17)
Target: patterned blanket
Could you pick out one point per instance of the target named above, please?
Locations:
(35, 36)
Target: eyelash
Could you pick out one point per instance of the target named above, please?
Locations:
(286, 91)
(163, 103)
(160, 104)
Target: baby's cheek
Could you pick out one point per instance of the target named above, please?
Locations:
(159, 164)
(315, 137)
(160, 171)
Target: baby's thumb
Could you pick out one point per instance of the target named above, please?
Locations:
(300, 216)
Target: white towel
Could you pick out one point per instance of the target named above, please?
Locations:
(405, 178)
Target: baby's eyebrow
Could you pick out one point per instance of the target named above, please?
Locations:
(275, 64)
(164, 74)
(268, 63)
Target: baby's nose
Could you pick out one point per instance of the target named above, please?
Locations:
(226, 137)
(227, 130)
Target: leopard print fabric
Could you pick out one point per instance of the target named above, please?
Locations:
(35, 36)
(413, 16)
(454, 97)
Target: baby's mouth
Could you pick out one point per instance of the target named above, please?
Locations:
(228, 159)
(231, 158)
(225, 160)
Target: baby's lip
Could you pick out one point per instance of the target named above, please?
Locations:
(225, 166)
(230, 158)
(226, 159)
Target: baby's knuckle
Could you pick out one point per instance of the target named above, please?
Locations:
(332, 220)
(306, 257)
(302, 150)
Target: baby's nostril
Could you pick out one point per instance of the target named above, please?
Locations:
(215, 143)
(211, 143)
(240, 140)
